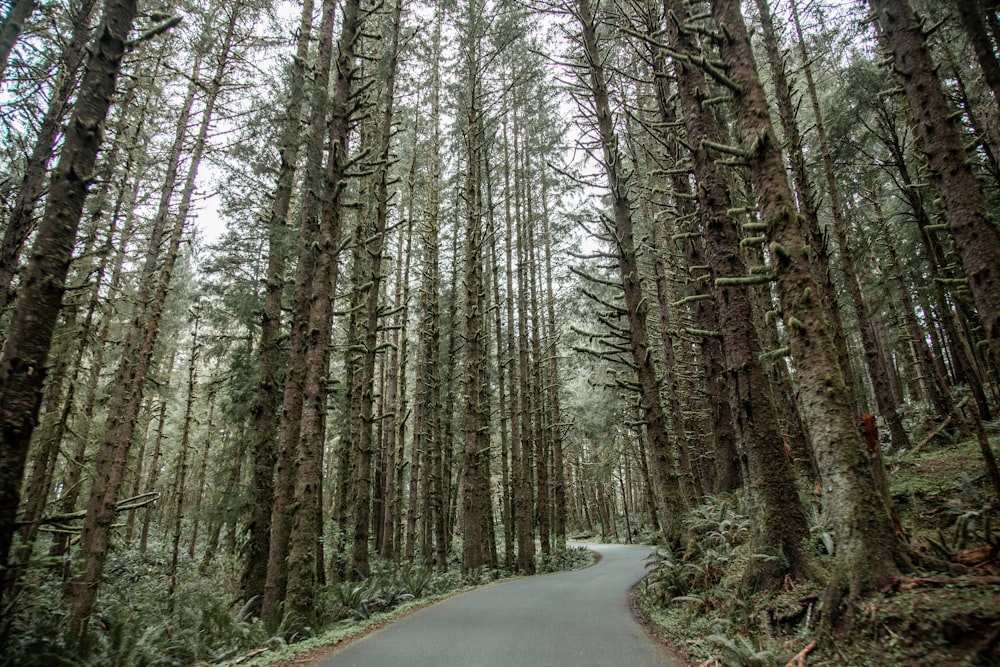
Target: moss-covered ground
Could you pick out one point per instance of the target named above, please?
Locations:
(946, 614)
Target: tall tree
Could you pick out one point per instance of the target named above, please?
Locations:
(976, 235)
(476, 441)
(276, 580)
(304, 536)
(137, 356)
(869, 552)
(373, 245)
(636, 307)
(268, 396)
(779, 519)
(24, 361)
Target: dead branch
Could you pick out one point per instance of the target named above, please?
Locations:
(800, 658)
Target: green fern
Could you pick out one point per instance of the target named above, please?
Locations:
(741, 653)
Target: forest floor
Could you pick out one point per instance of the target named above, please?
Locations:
(926, 619)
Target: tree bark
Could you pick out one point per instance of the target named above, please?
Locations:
(24, 358)
(137, 357)
(19, 223)
(373, 244)
(876, 362)
(291, 419)
(268, 395)
(303, 537)
(779, 521)
(11, 27)
(869, 553)
(476, 417)
(635, 303)
(972, 20)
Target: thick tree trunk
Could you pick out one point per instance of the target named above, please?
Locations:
(875, 362)
(291, 419)
(303, 537)
(779, 521)
(25, 352)
(427, 388)
(972, 20)
(869, 553)
(476, 430)
(374, 245)
(806, 198)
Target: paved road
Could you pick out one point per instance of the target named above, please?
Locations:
(577, 619)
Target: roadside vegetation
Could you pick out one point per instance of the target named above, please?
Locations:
(139, 624)
(945, 617)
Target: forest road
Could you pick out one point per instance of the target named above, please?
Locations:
(573, 619)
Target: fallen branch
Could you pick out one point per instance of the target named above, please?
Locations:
(940, 427)
(126, 505)
(800, 658)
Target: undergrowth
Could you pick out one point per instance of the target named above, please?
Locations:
(137, 624)
(927, 619)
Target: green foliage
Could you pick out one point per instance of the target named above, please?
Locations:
(715, 530)
(570, 558)
(134, 623)
(740, 652)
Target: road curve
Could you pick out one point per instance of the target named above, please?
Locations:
(578, 619)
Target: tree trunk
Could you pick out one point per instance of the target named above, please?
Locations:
(10, 29)
(779, 522)
(181, 468)
(552, 380)
(373, 244)
(976, 236)
(635, 303)
(137, 357)
(303, 537)
(291, 420)
(972, 20)
(476, 415)
(25, 352)
(875, 362)
(264, 410)
(869, 553)
(19, 223)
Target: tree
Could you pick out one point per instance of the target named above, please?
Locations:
(869, 552)
(137, 357)
(304, 534)
(635, 304)
(976, 236)
(24, 358)
(268, 396)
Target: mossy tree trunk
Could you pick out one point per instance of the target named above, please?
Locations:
(779, 521)
(24, 358)
(267, 398)
(869, 555)
(663, 469)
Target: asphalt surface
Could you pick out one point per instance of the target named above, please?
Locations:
(577, 619)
